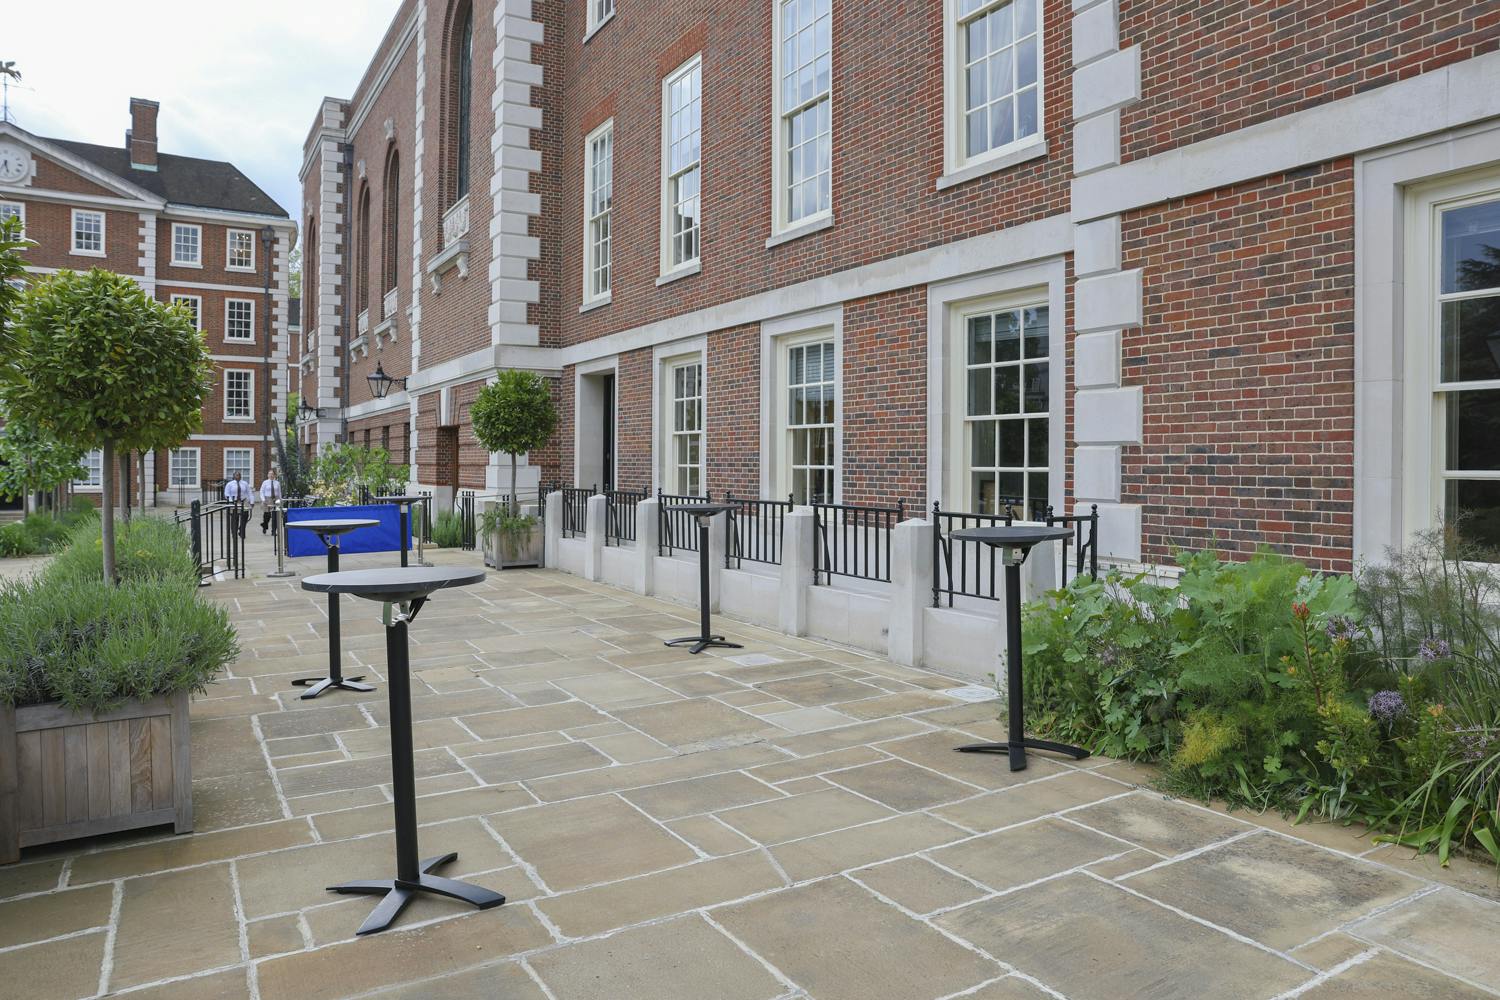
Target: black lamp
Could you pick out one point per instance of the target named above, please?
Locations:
(380, 382)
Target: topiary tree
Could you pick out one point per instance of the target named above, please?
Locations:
(31, 462)
(514, 414)
(91, 359)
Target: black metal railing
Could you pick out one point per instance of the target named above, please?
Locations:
(466, 518)
(677, 530)
(214, 537)
(971, 569)
(619, 514)
(755, 530)
(853, 540)
(575, 510)
(211, 490)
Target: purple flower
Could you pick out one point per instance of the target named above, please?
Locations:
(1433, 648)
(1387, 706)
(1341, 627)
(1473, 744)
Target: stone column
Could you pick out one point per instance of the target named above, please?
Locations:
(796, 571)
(911, 589)
(593, 526)
(647, 541)
(552, 533)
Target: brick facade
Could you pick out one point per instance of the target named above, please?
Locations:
(140, 208)
(1202, 313)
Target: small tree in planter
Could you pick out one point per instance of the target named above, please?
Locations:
(91, 359)
(513, 415)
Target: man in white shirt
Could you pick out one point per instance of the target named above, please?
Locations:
(270, 492)
(237, 489)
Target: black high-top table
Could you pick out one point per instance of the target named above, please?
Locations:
(328, 531)
(407, 517)
(409, 589)
(704, 513)
(1014, 543)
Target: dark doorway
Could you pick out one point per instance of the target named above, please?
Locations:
(447, 456)
(608, 435)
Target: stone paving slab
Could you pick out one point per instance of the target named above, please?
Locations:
(790, 821)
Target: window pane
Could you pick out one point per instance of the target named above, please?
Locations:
(1026, 113)
(1036, 445)
(1012, 443)
(1007, 390)
(1471, 248)
(1011, 485)
(1007, 336)
(1475, 504)
(1471, 340)
(1036, 388)
(1002, 123)
(982, 485)
(1025, 17)
(1036, 331)
(1036, 494)
(979, 392)
(979, 340)
(1474, 431)
(1026, 63)
(982, 450)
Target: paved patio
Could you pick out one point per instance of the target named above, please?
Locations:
(782, 821)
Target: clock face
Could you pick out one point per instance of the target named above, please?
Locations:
(15, 164)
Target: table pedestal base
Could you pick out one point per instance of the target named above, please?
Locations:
(320, 684)
(1017, 750)
(702, 642)
(398, 893)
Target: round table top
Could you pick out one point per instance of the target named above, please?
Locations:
(394, 583)
(699, 509)
(415, 499)
(1017, 536)
(333, 525)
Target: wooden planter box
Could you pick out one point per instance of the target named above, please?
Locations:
(508, 551)
(65, 775)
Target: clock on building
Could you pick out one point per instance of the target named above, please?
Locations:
(15, 164)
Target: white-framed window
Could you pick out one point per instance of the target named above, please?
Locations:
(239, 319)
(1006, 390)
(88, 232)
(993, 93)
(14, 210)
(187, 245)
(682, 116)
(241, 460)
(1454, 360)
(599, 12)
(811, 421)
(239, 394)
(93, 470)
(598, 209)
(182, 467)
(803, 144)
(194, 304)
(239, 252)
(685, 427)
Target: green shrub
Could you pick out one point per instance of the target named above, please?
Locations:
(16, 541)
(447, 530)
(1266, 684)
(72, 638)
(145, 549)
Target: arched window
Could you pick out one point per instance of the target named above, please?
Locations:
(362, 252)
(310, 277)
(464, 88)
(392, 217)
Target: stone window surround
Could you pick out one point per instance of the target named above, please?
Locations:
(664, 358)
(103, 233)
(173, 467)
(776, 335)
(197, 244)
(958, 167)
(228, 304)
(1384, 184)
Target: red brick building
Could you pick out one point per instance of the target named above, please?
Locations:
(1225, 269)
(187, 230)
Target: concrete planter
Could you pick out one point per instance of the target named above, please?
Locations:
(513, 550)
(65, 775)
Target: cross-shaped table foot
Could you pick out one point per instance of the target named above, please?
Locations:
(398, 893)
(702, 642)
(317, 685)
(1017, 750)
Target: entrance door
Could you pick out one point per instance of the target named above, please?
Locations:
(607, 434)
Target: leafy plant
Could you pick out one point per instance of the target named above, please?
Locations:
(91, 359)
(447, 530)
(34, 462)
(508, 531)
(338, 473)
(514, 415)
(72, 638)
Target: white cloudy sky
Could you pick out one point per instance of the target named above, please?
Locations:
(237, 81)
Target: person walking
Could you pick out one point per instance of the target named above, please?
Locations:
(270, 493)
(239, 490)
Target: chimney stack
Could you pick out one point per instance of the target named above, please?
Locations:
(140, 139)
